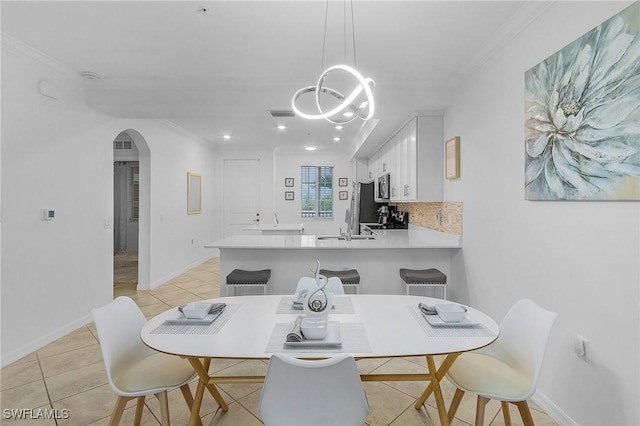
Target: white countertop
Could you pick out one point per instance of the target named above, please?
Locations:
(274, 227)
(413, 238)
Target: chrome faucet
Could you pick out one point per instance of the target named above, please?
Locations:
(346, 235)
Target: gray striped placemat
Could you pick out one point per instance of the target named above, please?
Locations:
(212, 328)
(353, 335)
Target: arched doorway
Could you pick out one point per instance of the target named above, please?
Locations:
(131, 210)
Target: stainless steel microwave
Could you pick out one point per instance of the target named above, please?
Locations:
(384, 187)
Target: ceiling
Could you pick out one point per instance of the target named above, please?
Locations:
(222, 71)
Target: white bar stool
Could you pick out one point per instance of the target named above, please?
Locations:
(241, 278)
(424, 278)
(349, 277)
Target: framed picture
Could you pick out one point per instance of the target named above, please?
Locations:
(194, 193)
(343, 195)
(288, 182)
(343, 181)
(288, 195)
(452, 158)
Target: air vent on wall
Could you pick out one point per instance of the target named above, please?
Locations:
(122, 145)
(281, 113)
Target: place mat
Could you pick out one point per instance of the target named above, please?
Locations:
(452, 330)
(353, 334)
(343, 306)
(212, 328)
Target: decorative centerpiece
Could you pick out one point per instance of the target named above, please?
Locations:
(317, 302)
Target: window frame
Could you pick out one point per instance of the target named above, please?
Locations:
(317, 212)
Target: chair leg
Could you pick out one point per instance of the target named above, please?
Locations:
(139, 408)
(455, 403)
(482, 403)
(121, 403)
(525, 413)
(164, 408)
(188, 397)
(506, 413)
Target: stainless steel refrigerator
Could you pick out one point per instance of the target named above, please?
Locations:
(363, 207)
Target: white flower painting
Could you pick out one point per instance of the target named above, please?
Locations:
(582, 116)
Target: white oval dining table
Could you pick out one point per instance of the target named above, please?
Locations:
(391, 326)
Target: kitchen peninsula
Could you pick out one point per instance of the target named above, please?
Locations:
(377, 260)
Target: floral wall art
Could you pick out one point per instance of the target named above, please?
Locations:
(582, 116)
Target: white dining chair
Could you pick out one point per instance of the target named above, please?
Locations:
(133, 369)
(324, 392)
(508, 369)
(334, 285)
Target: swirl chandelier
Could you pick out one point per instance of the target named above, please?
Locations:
(357, 104)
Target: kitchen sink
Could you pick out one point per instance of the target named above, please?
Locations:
(341, 237)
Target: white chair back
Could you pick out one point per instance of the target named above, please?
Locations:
(119, 324)
(524, 335)
(334, 285)
(314, 393)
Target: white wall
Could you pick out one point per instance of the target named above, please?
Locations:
(580, 259)
(58, 154)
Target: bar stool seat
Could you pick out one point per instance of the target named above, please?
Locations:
(241, 278)
(424, 278)
(349, 277)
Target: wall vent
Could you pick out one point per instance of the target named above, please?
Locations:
(281, 113)
(122, 145)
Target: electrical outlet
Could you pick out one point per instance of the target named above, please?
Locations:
(581, 347)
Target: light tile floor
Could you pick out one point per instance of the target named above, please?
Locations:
(69, 374)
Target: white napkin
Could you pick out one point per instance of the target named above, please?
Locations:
(295, 335)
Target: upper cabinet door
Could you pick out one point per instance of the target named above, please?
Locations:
(413, 157)
(410, 154)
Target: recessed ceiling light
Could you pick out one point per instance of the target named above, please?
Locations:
(336, 139)
(338, 127)
(348, 114)
(226, 137)
(310, 148)
(282, 127)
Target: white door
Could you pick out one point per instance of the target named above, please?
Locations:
(241, 194)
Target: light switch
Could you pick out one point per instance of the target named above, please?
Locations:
(581, 347)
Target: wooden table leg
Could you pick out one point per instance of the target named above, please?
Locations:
(437, 392)
(444, 367)
(202, 369)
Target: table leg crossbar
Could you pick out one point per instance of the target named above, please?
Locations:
(201, 366)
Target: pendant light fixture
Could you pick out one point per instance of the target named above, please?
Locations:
(358, 104)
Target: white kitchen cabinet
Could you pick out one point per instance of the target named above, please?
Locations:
(375, 166)
(413, 157)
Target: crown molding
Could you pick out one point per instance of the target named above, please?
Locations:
(526, 14)
(26, 52)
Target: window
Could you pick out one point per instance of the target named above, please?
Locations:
(317, 191)
(135, 193)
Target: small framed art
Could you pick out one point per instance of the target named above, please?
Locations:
(343, 195)
(452, 158)
(194, 193)
(288, 182)
(288, 195)
(343, 181)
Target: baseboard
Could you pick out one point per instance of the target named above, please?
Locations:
(44, 341)
(177, 273)
(552, 410)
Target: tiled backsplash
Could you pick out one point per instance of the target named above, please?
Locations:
(443, 217)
